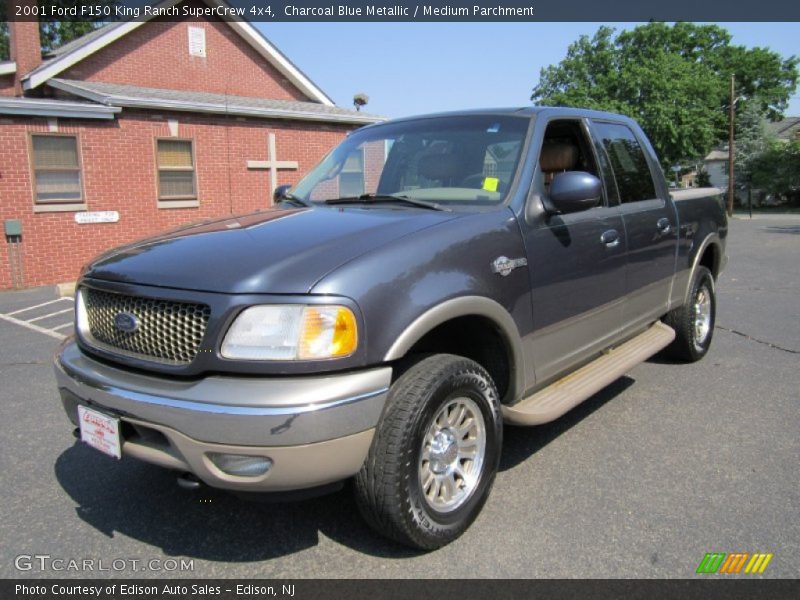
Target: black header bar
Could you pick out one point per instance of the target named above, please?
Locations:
(410, 11)
(710, 588)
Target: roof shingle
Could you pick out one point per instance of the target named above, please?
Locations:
(114, 94)
(785, 129)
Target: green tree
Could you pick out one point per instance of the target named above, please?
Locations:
(52, 33)
(777, 169)
(673, 79)
(752, 140)
(3, 40)
(703, 178)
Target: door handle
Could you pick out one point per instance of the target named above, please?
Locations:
(663, 224)
(610, 238)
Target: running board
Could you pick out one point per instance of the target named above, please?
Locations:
(553, 401)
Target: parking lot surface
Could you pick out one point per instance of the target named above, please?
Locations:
(52, 316)
(668, 463)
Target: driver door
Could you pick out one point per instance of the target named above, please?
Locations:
(576, 261)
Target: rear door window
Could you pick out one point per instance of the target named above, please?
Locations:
(631, 171)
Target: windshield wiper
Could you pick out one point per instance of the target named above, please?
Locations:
(385, 198)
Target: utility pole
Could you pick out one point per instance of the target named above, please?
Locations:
(731, 149)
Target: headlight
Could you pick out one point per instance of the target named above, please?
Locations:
(291, 332)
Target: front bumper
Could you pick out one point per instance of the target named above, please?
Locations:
(316, 430)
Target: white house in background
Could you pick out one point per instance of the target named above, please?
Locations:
(716, 163)
(717, 167)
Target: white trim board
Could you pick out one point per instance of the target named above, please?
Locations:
(8, 67)
(56, 108)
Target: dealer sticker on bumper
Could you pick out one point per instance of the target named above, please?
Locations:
(100, 431)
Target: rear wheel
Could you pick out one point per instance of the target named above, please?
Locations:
(694, 322)
(435, 453)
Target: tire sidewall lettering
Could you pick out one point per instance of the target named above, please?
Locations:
(462, 383)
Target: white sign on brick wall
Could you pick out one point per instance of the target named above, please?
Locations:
(98, 216)
(197, 41)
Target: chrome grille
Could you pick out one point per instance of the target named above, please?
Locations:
(168, 332)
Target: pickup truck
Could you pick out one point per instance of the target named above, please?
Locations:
(431, 280)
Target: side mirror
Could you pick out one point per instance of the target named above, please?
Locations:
(574, 191)
(279, 195)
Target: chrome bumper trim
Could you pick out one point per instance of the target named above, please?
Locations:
(253, 411)
(234, 410)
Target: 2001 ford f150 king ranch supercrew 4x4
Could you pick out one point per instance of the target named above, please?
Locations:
(430, 279)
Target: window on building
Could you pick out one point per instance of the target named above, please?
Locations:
(351, 179)
(634, 180)
(57, 169)
(176, 176)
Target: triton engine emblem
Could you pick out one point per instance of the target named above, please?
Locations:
(503, 265)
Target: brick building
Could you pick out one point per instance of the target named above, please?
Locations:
(139, 127)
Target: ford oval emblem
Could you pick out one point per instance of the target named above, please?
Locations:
(126, 322)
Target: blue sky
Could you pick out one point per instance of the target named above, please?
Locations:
(413, 68)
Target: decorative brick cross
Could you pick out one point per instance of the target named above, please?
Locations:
(272, 163)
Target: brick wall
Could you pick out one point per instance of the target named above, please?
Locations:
(24, 46)
(119, 174)
(7, 85)
(374, 159)
(156, 55)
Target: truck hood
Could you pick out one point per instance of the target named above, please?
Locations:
(276, 251)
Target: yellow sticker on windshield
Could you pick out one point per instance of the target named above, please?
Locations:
(490, 184)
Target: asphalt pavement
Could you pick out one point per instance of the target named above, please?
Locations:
(666, 464)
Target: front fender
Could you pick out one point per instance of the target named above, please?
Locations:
(463, 307)
(409, 286)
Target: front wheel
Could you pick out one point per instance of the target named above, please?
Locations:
(435, 453)
(694, 322)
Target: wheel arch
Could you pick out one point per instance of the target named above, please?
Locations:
(709, 254)
(480, 311)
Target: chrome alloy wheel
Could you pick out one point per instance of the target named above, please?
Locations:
(702, 316)
(453, 451)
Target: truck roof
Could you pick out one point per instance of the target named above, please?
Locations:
(523, 111)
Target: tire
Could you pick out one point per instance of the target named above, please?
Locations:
(694, 322)
(429, 439)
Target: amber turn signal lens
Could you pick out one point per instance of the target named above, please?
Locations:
(327, 332)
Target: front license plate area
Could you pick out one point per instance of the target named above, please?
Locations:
(100, 431)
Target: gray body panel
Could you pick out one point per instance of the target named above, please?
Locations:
(650, 263)
(652, 249)
(703, 226)
(578, 288)
(276, 251)
(402, 281)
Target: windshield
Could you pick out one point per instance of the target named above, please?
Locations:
(465, 160)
